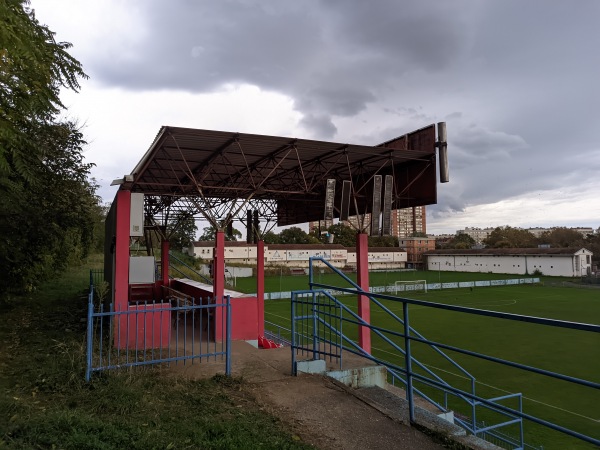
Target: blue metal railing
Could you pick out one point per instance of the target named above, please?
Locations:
(175, 330)
(311, 312)
(408, 330)
(278, 333)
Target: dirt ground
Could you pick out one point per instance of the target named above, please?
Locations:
(317, 410)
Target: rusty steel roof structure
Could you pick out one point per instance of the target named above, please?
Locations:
(222, 174)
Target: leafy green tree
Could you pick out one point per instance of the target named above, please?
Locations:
(342, 234)
(509, 237)
(182, 230)
(33, 69)
(51, 222)
(383, 241)
(271, 238)
(49, 207)
(296, 235)
(592, 243)
(562, 237)
(461, 241)
(209, 233)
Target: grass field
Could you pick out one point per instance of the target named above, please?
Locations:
(568, 352)
(294, 282)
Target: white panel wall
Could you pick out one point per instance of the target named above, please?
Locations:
(551, 265)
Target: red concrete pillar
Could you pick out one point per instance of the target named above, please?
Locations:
(219, 283)
(362, 272)
(164, 262)
(121, 256)
(260, 286)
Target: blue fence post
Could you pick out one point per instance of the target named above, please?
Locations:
(315, 337)
(409, 380)
(90, 324)
(293, 331)
(521, 431)
(228, 345)
(473, 409)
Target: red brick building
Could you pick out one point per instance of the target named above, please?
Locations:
(415, 247)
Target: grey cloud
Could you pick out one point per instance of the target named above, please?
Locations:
(320, 127)
(333, 58)
(516, 81)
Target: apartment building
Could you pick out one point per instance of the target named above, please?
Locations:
(404, 222)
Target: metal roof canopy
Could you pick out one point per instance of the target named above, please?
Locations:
(221, 174)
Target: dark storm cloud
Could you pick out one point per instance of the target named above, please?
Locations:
(332, 58)
(516, 81)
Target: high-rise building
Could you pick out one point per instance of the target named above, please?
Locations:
(405, 222)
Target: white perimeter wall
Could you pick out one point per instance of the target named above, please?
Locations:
(552, 265)
(395, 258)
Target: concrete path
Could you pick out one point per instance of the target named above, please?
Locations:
(317, 409)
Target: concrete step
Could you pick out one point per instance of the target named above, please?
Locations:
(436, 424)
(369, 384)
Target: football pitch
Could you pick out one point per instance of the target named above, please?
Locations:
(569, 352)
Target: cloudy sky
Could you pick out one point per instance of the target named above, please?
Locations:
(516, 81)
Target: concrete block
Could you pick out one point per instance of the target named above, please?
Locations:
(361, 378)
(447, 416)
(316, 366)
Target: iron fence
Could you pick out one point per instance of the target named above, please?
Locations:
(179, 330)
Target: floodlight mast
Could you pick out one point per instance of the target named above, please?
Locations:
(442, 146)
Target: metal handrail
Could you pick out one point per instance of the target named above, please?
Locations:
(408, 336)
(172, 256)
(374, 300)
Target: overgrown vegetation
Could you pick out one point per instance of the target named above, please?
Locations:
(50, 212)
(45, 402)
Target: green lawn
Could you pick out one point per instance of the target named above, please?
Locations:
(295, 282)
(45, 402)
(565, 351)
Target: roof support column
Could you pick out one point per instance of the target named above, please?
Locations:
(121, 251)
(219, 282)
(362, 272)
(260, 285)
(164, 262)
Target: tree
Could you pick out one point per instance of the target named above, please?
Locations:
(49, 205)
(383, 241)
(33, 69)
(461, 241)
(182, 230)
(562, 237)
(296, 235)
(271, 238)
(209, 233)
(342, 234)
(592, 243)
(49, 223)
(509, 237)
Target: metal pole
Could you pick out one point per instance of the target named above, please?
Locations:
(228, 337)
(314, 316)
(293, 331)
(88, 370)
(408, 357)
